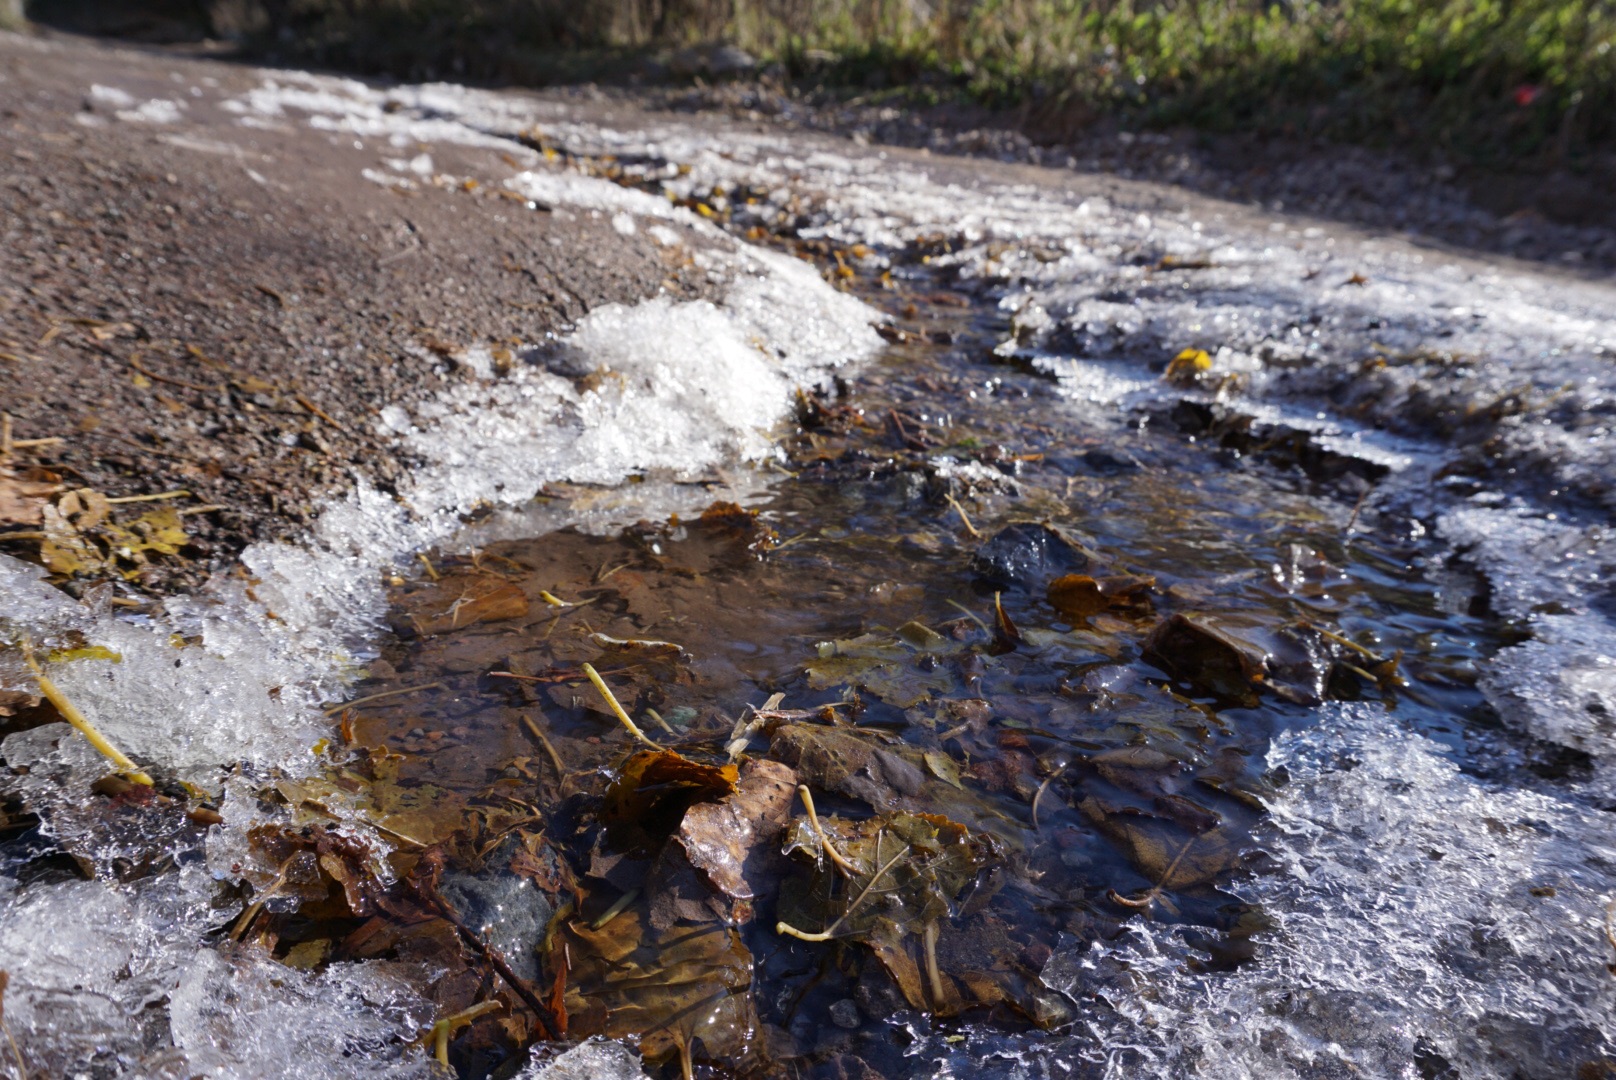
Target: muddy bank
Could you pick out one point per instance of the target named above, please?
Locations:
(192, 304)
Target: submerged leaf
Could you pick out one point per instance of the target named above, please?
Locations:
(678, 988)
(911, 874)
(654, 788)
(1080, 596)
(481, 601)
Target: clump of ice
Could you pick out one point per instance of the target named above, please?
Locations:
(1420, 915)
(592, 1059)
(93, 964)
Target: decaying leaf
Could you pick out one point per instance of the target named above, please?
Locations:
(483, 600)
(82, 539)
(913, 875)
(684, 990)
(1079, 596)
(23, 500)
(1166, 854)
(1197, 652)
(885, 665)
(654, 788)
(943, 767)
(723, 839)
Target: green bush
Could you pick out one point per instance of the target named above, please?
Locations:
(1482, 79)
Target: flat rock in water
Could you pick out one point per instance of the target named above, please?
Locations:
(509, 911)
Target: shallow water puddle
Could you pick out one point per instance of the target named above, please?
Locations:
(1026, 661)
(1139, 715)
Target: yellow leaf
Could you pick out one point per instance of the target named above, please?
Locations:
(1188, 364)
(93, 652)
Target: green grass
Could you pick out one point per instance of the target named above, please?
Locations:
(1432, 74)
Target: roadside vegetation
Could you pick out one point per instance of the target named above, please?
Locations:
(1521, 82)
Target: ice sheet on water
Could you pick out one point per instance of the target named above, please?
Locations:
(1551, 575)
(1419, 912)
(1561, 686)
(589, 193)
(186, 708)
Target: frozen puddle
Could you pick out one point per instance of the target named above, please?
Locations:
(1429, 922)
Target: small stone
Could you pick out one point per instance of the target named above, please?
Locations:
(845, 1014)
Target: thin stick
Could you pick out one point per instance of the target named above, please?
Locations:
(661, 723)
(441, 1030)
(973, 617)
(317, 411)
(963, 516)
(431, 571)
(1150, 896)
(499, 964)
(150, 374)
(555, 758)
(1357, 508)
(6, 443)
(71, 714)
(384, 694)
(932, 972)
(622, 717)
(830, 932)
(25, 444)
(1348, 642)
(1050, 779)
(617, 908)
(161, 495)
(208, 508)
(239, 931)
(841, 864)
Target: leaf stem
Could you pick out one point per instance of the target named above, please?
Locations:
(830, 931)
(71, 714)
(611, 700)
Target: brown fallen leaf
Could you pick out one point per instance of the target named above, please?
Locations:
(22, 501)
(1080, 596)
(674, 989)
(1166, 854)
(1195, 651)
(480, 601)
(732, 842)
(654, 789)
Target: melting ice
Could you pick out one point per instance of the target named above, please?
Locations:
(1423, 914)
